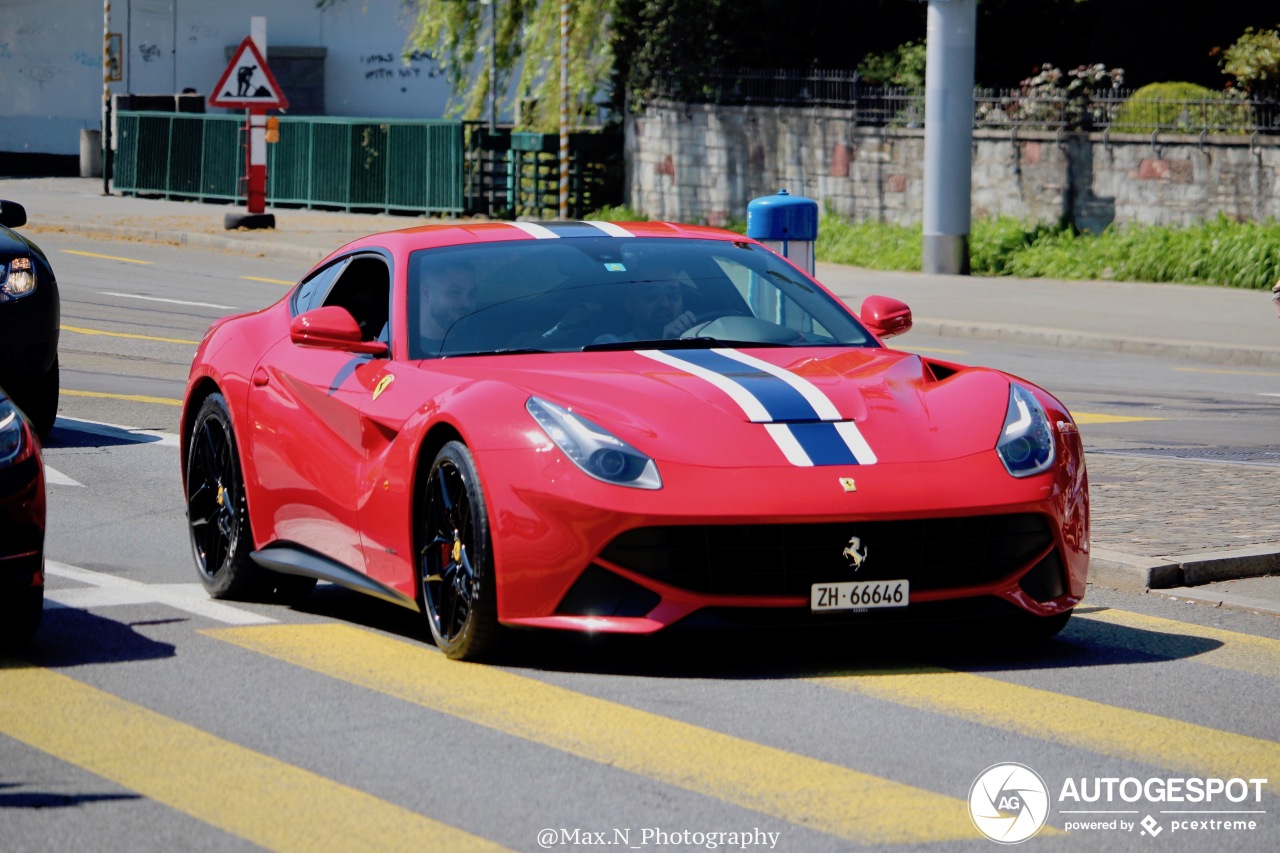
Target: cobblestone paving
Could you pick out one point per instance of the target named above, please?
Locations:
(1155, 507)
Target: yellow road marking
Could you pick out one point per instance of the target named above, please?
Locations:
(1068, 720)
(80, 330)
(268, 280)
(104, 257)
(812, 793)
(1239, 652)
(1091, 418)
(251, 795)
(1230, 372)
(132, 398)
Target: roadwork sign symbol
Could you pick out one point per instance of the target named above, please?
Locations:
(248, 83)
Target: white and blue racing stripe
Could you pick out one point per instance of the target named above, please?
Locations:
(801, 420)
(554, 230)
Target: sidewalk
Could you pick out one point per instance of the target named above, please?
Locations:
(1188, 527)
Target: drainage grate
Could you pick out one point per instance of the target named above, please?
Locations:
(1239, 455)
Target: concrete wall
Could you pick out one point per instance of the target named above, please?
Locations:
(51, 59)
(704, 163)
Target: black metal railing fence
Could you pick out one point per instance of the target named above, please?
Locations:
(873, 105)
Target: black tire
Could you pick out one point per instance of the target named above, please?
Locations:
(38, 399)
(217, 510)
(1041, 629)
(1026, 629)
(455, 564)
(20, 612)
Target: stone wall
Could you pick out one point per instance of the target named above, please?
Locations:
(704, 163)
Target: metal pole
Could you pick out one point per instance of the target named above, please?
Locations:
(948, 134)
(106, 95)
(493, 63)
(564, 109)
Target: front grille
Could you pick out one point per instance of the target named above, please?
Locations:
(787, 559)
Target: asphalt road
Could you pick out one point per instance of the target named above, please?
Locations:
(147, 717)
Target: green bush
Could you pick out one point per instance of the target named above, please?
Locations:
(1220, 252)
(1182, 108)
(616, 213)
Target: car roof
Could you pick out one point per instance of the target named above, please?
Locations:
(462, 233)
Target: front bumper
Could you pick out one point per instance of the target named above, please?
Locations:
(747, 541)
(22, 524)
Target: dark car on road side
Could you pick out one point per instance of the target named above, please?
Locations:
(22, 519)
(29, 318)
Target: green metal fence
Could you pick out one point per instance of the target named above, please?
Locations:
(344, 163)
(533, 178)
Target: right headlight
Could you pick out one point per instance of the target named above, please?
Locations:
(1026, 439)
(19, 279)
(13, 432)
(595, 450)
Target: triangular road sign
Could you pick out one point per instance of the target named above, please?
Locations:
(248, 83)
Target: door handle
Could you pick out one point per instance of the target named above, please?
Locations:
(261, 377)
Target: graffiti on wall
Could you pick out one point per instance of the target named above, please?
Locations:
(391, 66)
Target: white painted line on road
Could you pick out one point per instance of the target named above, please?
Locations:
(170, 301)
(54, 477)
(123, 433)
(1268, 394)
(108, 591)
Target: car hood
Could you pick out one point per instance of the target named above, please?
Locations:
(731, 407)
(12, 243)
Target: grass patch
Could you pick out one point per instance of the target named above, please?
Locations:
(1220, 252)
(616, 213)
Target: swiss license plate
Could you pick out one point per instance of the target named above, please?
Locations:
(858, 595)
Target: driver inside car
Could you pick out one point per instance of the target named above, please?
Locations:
(654, 310)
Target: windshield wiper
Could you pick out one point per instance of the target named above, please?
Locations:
(678, 343)
(511, 351)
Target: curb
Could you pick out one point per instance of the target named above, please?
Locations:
(1216, 598)
(1044, 336)
(1031, 335)
(189, 238)
(1116, 570)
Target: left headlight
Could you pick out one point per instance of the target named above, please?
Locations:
(595, 450)
(19, 279)
(13, 433)
(1026, 439)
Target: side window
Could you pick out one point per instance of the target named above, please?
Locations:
(364, 289)
(310, 293)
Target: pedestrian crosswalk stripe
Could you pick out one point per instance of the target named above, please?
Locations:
(1235, 651)
(816, 794)
(1068, 720)
(268, 802)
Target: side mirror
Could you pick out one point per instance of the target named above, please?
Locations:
(12, 214)
(332, 327)
(885, 316)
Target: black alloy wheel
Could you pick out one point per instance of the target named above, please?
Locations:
(218, 515)
(455, 562)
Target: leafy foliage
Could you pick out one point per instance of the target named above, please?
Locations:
(903, 66)
(1053, 98)
(1254, 61)
(1221, 252)
(526, 39)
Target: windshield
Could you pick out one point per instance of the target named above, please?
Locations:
(593, 293)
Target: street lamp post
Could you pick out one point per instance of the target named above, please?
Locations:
(493, 63)
(564, 109)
